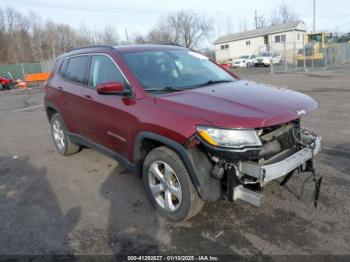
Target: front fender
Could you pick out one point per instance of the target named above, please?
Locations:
(195, 161)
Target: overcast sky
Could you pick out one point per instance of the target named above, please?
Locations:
(141, 15)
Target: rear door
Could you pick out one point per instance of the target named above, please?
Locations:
(109, 115)
(76, 80)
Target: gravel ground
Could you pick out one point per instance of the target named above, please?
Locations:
(89, 204)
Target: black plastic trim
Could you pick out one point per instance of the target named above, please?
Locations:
(49, 104)
(178, 148)
(78, 139)
(84, 48)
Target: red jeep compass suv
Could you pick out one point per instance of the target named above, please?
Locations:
(194, 131)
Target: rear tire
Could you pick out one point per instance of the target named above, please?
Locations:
(169, 186)
(60, 137)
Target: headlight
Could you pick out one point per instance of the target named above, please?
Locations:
(232, 138)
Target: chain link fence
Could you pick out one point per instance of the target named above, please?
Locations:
(288, 57)
(19, 71)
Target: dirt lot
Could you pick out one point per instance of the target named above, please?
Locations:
(88, 204)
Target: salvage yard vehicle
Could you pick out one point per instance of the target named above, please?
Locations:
(5, 83)
(267, 58)
(316, 50)
(244, 61)
(194, 131)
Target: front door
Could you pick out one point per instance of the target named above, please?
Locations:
(109, 117)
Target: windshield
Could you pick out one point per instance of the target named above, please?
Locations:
(174, 69)
(244, 57)
(265, 54)
(315, 38)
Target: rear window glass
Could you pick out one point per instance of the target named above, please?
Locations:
(76, 69)
(63, 67)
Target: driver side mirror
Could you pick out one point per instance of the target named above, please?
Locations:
(110, 88)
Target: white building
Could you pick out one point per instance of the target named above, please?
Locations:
(286, 39)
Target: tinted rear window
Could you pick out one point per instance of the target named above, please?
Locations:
(76, 69)
(63, 67)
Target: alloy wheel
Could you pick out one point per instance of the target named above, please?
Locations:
(58, 135)
(165, 186)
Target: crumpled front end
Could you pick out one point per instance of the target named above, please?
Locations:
(284, 149)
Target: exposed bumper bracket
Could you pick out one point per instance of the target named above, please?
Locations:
(247, 195)
(269, 172)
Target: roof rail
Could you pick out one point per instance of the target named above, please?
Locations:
(174, 44)
(91, 46)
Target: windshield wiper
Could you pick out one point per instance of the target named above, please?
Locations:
(211, 82)
(166, 88)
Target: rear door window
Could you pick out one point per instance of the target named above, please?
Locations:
(63, 67)
(103, 70)
(77, 69)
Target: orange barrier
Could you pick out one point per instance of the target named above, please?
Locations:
(38, 77)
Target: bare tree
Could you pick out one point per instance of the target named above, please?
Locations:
(27, 38)
(184, 28)
(163, 33)
(190, 28)
(108, 36)
(138, 38)
(37, 35)
(3, 35)
(287, 14)
(284, 14)
(259, 21)
(85, 36)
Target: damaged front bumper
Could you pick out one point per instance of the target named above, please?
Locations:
(272, 170)
(244, 172)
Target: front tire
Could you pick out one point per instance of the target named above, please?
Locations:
(60, 137)
(169, 186)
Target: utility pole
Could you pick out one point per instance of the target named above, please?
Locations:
(314, 26)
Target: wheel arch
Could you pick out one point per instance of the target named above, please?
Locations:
(51, 109)
(195, 161)
(149, 140)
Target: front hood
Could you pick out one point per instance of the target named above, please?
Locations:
(240, 104)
